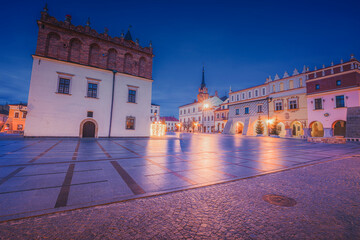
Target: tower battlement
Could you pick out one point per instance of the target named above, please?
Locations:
(64, 41)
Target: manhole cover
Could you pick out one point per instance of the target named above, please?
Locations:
(279, 200)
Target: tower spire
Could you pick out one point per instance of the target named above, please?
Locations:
(203, 79)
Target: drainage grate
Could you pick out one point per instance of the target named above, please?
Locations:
(279, 200)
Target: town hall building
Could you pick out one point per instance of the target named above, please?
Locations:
(88, 84)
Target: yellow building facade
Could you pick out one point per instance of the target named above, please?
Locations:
(288, 105)
(16, 119)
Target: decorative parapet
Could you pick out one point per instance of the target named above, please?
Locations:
(87, 30)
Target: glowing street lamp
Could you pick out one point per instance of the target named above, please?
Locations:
(179, 126)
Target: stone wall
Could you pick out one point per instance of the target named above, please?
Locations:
(353, 122)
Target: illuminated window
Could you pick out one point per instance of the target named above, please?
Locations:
(130, 123)
(338, 83)
(273, 88)
(318, 103)
(317, 86)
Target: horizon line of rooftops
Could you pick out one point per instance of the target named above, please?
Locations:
(305, 72)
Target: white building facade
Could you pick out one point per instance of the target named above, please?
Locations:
(85, 84)
(155, 112)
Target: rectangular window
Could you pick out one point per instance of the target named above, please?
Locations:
(246, 110)
(259, 108)
(281, 86)
(64, 86)
(293, 104)
(24, 114)
(317, 86)
(16, 115)
(318, 103)
(256, 93)
(90, 114)
(278, 106)
(132, 96)
(249, 94)
(263, 91)
(237, 112)
(92, 90)
(19, 127)
(291, 84)
(130, 123)
(338, 83)
(340, 101)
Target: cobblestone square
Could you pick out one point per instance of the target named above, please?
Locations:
(40, 176)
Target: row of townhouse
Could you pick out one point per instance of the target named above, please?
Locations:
(200, 115)
(320, 103)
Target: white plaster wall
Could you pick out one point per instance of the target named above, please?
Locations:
(53, 114)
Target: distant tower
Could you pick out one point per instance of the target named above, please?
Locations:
(203, 91)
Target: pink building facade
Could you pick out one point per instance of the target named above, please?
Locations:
(331, 93)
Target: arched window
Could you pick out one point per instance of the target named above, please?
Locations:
(74, 50)
(111, 59)
(128, 63)
(52, 46)
(94, 54)
(142, 63)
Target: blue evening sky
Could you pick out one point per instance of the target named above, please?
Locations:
(239, 42)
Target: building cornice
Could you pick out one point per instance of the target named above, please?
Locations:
(345, 89)
(89, 67)
(333, 75)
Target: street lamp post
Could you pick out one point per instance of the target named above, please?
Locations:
(206, 106)
(268, 99)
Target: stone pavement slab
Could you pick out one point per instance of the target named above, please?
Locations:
(40, 176)
(327, 206)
